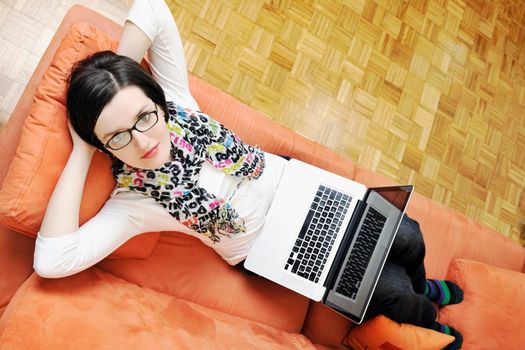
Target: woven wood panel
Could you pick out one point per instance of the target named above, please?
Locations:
(425, 92)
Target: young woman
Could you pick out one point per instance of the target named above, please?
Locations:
(179, 170)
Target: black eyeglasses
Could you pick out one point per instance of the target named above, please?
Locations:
(123, 138)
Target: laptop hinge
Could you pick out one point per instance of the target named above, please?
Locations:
(345, 244)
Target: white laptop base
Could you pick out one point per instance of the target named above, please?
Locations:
(270, 251)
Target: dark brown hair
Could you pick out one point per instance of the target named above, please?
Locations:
(95, 80)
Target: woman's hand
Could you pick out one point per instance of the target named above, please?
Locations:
(79, 144)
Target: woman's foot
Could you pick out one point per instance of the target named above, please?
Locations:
(443, 328)
(443, 292)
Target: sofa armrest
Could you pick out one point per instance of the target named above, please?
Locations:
(16, 263)
(16, 251)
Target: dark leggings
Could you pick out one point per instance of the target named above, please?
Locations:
(399, 291)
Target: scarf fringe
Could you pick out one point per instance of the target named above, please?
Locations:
(227, 224)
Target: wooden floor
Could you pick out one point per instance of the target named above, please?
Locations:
(425, 92)
(26, 27)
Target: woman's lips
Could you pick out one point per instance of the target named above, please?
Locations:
(151, 153)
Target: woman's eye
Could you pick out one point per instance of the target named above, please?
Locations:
(118, 138)
(145, 121)
(146, 117)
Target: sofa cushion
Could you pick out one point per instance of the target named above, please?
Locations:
(95, 310)
(45, 146)
(490, 315)
(182, 266)
(383, 333)
(16, 263)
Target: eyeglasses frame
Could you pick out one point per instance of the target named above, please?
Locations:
(134, 127)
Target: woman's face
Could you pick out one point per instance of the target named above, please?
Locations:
(147, 150)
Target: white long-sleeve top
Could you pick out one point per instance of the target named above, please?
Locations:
(127, 214)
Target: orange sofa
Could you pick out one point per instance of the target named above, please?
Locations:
(168, 291)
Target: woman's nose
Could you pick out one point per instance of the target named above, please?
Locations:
(141, 140)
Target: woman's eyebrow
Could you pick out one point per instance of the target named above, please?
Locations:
(139, 114)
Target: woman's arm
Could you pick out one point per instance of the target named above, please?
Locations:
(122, 217)
(133, 42)
(61, 216)
(150, 27)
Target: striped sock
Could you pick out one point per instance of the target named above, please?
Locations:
(443, 292)
(443, 328)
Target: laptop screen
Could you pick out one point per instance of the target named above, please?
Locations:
(355, 275)
(397, 195)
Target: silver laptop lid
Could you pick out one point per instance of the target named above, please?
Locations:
(392, 202)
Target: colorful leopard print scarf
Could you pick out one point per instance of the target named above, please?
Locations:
(195, 138)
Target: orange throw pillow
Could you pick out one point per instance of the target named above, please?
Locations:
(491, 313)
(45, 146)
(382, 333)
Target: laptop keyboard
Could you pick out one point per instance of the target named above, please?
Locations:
(317, 235)
(361, 253)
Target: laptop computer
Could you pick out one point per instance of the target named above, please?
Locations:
(327, 237)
